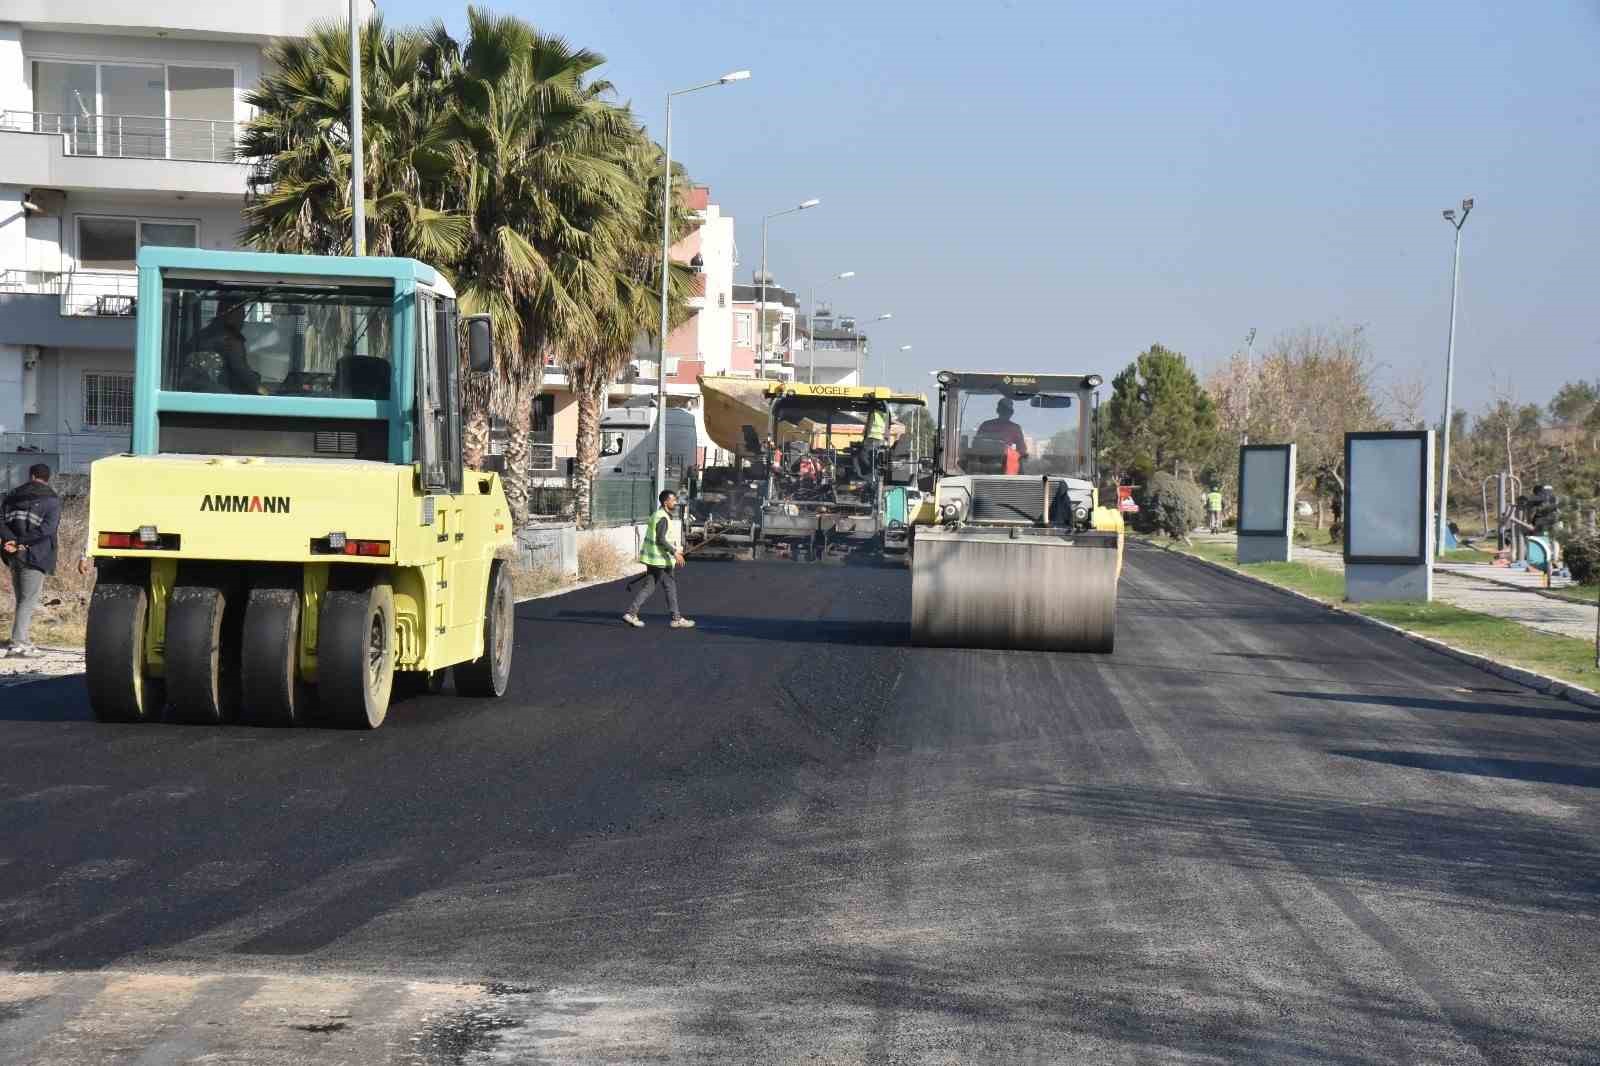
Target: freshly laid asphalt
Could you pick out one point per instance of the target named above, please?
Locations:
(1257, 832)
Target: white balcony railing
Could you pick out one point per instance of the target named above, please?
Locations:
(133, 136)
(98, 293)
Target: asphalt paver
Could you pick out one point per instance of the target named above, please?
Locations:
(1257, 832)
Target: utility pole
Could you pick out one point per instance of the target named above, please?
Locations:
(1449, 375)
(666, 268)
(1249, 352)
(761, 310)
(358, 177)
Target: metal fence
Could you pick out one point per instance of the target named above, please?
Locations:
(69, 453)
(110, 293)
(133, 136)
(621, 501)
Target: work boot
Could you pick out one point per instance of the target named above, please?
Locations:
(633, 620)
(683, 623)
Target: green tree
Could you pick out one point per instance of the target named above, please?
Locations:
(544, 179)
(298, 197)
(503, 163)
(1575, 402)
(633, 309)
(1159, 417)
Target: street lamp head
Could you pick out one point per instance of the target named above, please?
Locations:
(809, 203)
(846, 274)
(905, 347)
(1450, 215)
(885, 315)
(1466, 205)
(737, 75)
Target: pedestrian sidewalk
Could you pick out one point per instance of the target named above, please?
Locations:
(56, 662)
(1512, 595)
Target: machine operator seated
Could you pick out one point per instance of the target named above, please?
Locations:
(219, 359)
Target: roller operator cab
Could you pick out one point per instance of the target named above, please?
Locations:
(1011, 549)
(293, 534)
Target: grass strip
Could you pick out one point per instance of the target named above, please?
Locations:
(1481, 634)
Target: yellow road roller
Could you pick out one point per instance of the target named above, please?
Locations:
(1011, 549)
(293, 533)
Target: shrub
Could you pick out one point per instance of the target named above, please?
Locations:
(599, 559)
(1172, 505)
(1582, 555)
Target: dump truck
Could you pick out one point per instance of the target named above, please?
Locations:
(808, 481)
(1011, 549)
(294, 533)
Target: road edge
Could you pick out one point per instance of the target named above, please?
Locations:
(1542, 683)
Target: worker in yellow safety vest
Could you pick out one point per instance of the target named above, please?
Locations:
(660, 553)
(1214, 509)
(877, 432)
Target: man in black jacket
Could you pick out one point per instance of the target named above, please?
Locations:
(29, 518)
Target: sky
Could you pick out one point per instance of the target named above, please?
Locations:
(1058, 185)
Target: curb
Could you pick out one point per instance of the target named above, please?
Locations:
(628, 571)
(1542, 683)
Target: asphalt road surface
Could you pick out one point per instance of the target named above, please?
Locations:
(1258, 832)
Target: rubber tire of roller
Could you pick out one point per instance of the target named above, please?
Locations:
(269, 667)
(355, 680)
(489, 674)
(119, 691)
(202, 656)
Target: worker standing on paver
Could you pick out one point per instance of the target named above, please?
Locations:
(661, 554)
(1214, 509)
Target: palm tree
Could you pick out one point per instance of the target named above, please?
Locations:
(551, 202)
(299, 195)
(633, 310)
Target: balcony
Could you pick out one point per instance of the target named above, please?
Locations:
(133, 136)
(125, 153)
(67, 453)
(99, 293)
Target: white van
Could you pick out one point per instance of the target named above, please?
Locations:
(628, 442)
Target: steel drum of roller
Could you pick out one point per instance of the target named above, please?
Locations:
(1035, 589)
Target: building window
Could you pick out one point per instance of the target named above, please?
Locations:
(107, 401)
(542, 434)
(137, 111)
(744, 330)
(114, 243)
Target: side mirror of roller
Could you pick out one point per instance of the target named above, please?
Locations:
(480, 344)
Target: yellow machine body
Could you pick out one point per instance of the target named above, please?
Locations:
(275, 512)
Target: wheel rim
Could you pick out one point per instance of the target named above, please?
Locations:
(502, 628)
(377, 648)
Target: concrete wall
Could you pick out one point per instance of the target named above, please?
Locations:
(258, 20)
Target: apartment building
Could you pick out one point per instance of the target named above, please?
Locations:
(117, 129)
(835, 351)
(778, 315)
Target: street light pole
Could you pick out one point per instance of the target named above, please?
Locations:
(1449, 374)
(884, 374)
(861, 353)
(812, 377)
(761, 308)
(358, 178)
(666, 270)
(1249, 351)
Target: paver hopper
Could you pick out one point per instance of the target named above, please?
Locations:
(1016, 552)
